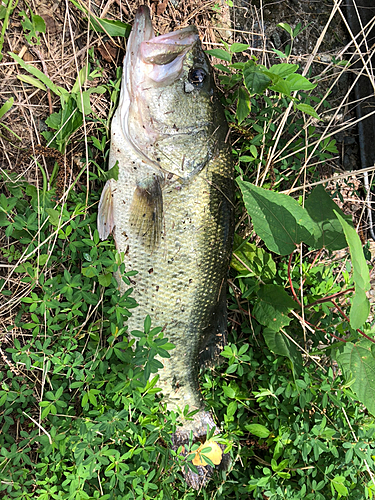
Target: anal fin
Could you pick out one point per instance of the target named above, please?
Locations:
(146, 211)
(106, 221)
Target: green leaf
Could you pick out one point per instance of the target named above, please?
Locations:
(54, 216)
(147, 324)
(279, 344)
(6, 106)
(81, 79)
(31, 81)
(220, 54)
(283, 69)
(243, 105)
(255, 80)
(108, 26)
(105, 279)
(238, 47)
(39, 24)
(66, 121)
(282, 86)
(258, 260)
(357, 360)
(309, 110)
(280, 54)
(341, 489)
(83, 102)
(299, 82)
(360, 308)
(112, 173)
(273, 306)
(38, 74)
(286, 27)
(258, 430)
(278, 219)
(229, 392)
(320, 207)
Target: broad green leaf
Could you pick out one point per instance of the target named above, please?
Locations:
(243, 104)
(6, 106)
(357, 360)
(278, 219)
(220, 54)
(309, 110)
(283, 69)
(31, 81)
(258, 260)
(341, 489)
(282, 86)
(258, 430)
(321, 208)
(39, 24)
(299, 82)
(105, 279)
(54, 216)
(38, 74)
(273, 306)
(238, 47)
(360, 305)
(279, 344)
(255, 80)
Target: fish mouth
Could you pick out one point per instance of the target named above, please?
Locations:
(159, 57)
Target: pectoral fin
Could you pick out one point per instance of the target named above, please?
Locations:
(106, 221)
(146, 211)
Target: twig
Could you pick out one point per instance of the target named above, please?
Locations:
(40, 427)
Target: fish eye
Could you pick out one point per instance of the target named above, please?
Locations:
(197, 76)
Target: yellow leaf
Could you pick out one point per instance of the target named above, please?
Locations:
(215, 455)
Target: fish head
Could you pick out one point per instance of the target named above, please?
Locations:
(167, 92)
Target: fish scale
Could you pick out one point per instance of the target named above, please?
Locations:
(170, 210)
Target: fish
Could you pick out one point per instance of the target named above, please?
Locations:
(171, 210)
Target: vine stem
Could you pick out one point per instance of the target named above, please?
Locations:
(348, 320)
(290, 280)
(330, 297)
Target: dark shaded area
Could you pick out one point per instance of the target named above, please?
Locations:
(364, 91)
(359, 15)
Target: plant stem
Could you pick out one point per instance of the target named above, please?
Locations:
(290, 280)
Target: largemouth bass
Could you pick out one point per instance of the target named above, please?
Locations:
(171, 209)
